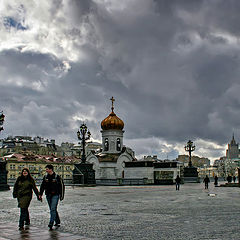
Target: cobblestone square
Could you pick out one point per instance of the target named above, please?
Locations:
(138, 212)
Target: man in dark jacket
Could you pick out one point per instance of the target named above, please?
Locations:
(54, 188)
(178, 181)
(234, 179)
(216, 180)
(229, 179)
(206, 180)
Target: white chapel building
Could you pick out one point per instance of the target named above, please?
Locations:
(109, 163)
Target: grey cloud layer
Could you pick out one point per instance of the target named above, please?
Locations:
(172, 66)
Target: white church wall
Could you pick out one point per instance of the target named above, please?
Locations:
(94, 160)
(125, 157)
(107, 170)
(112, 136)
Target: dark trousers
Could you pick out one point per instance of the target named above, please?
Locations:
(52, 203)
(24, 216)
(177, 186)
(206, 185)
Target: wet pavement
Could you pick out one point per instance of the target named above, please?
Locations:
(131, 212)
(8, 231)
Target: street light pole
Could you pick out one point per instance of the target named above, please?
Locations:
(190, 148)
(2, 116)
(3, 170)
(83, 172)
(190, 172)
(83, 135)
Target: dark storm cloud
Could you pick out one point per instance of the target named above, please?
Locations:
(179, 100)
(172, 66)
(27, 65)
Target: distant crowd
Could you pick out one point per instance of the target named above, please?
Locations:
(206, 181)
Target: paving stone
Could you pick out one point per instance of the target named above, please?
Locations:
(132, 212)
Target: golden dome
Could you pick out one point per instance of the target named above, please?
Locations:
(112, 121)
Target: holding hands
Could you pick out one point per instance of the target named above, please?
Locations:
(40, 198)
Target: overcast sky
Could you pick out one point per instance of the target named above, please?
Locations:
(172, 66)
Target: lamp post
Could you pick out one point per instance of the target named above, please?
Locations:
(83, 173)
(83, 135)
(2, 116)
(190, 172)
(3, 171)
(190, 148)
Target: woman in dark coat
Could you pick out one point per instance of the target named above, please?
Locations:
(23, 192)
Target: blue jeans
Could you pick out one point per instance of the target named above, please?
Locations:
(52, 203)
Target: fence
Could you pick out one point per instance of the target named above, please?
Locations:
(38, 181)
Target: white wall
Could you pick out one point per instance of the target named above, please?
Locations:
(112, 136)
(94, 160)
(109, 170)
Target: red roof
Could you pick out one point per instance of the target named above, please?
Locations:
(37, 158)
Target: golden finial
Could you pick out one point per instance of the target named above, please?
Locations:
(112, 99)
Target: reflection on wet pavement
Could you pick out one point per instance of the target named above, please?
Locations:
(10, 231)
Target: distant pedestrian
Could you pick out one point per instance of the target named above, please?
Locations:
(178, 181)
(229, 179)
(23, 192)
(234, 179)
(216, 180)
(206, 180)
(54, 189)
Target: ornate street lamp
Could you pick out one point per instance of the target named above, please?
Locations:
(190, 148)
(190, 172)
(2, 116)
(83, 135)
(83, 172)
(3, 172)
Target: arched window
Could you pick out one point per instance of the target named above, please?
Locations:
(106, 144)
(118, 144)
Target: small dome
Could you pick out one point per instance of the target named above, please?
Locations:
(112, 122)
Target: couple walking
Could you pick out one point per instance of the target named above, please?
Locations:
(53, 186)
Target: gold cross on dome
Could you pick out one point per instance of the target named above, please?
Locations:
(112, 99)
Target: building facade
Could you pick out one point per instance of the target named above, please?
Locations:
(36, 164)
(233, 150)
(196, 161)
(153, 171)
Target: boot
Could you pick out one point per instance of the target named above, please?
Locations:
(50, 225)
